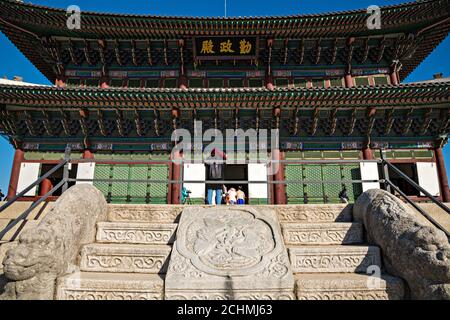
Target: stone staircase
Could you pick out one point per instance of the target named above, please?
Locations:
(329, 258)
(130, 257)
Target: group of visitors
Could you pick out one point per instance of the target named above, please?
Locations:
(233, 196)
(216, 171)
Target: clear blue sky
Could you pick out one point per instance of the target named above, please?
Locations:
(14, 63)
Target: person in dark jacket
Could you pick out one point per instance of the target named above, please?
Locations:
(215, 170)
(1, 195)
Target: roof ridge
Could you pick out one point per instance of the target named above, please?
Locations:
(233, 18)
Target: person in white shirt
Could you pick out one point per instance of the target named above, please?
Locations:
(232, 196)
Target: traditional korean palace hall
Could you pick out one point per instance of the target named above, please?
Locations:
(123, 83)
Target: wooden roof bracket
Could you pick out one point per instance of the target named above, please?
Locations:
(149, 52)
(101, 124)
(65, 122)
(117, 52)
(72, 53)
(86, 52)
(47, 123)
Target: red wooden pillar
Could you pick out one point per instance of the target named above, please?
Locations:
(19, 157)
(46, 186)
(88, 154)
(394, 78)
(279, 189)
(442, 172)
(367, 153)
(60, 82)
(176, 175)
(269, 83)
(183, 82)
(349, 81)
(104, 82)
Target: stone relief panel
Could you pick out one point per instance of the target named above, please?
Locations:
(239, 250)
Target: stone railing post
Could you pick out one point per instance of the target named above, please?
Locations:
(418, 253)
(52, 248)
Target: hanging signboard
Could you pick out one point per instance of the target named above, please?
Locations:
(226, 48)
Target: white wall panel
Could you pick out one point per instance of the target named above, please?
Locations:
(29, 173)
(85, 171)
(257, 172)
(195, 172)
(369, 171)
(428, 177)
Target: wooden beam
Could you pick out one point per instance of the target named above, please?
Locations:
(333, 121)
(318, 51)
(86, 52)
(315, 121)
(156, 121)
(100, 122)
(149, 52)
(371, 113)
(65, 122)
(117, 52)
(381, 49)
(408, 122)
(137, 121)
(351, 129)
(47, 123)
(72, 53)
(390, 121)
(426, 121)
(119, 122)
(84, 114)
(29, 123)
(301, 52)
(133, 53)
(334, 51)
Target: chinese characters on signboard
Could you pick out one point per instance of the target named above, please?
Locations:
(225, 48)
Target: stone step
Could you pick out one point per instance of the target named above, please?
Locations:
(334, 259)
(314, 213)
(342, 286)
(127, 258)
(322, 233)
(110, 286)
(136, 233)
(145, 213)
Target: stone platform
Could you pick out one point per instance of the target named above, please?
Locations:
(229, 253)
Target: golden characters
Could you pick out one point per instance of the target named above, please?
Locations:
(245, 46)
(207, 47)
(226, 47)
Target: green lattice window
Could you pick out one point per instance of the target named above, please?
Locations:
(215, 83)
(301, 83)
(381, 80)
(196, 83)
(320, 83)
(255, 83)
(152, 83)
(117, 83)
(135, 83)
(133, 192)
(73, 82)
(170, 83)
(337, 82)
(362, 81)
(313, 190)
(92, 82)
(282, 82)
(235, 83)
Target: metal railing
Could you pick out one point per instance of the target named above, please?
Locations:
(390, 185)
(65, 163)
